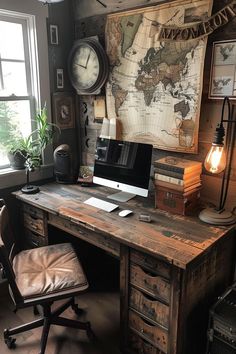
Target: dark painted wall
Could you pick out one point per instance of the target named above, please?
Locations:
(61, 14)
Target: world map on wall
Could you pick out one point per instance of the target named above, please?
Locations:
(154, 87)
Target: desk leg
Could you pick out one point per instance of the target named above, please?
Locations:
(124, 281)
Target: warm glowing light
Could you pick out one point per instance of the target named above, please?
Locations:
(215, 161)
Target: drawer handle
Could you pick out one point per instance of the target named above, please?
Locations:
(148, 323)
(151, 275)
(35, 243)
(148, 297)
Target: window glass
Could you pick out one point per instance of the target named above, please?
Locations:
(15, 115)
(11, 43)
(15, 122)
(13, 79)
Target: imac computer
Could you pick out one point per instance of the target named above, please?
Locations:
(123, 165)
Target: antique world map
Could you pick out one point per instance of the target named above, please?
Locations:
(154, 87)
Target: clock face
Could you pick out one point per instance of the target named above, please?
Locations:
(88, 66)
(85, 67)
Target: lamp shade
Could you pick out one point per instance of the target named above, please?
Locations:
(219, 159)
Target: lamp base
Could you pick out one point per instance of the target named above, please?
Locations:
(215, 217)
(30, 189)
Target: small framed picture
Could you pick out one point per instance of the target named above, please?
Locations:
(64, 109)
(60, 79)
(53, 30)
(223, 70)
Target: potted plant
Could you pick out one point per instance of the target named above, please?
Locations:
(12, 142)
(21, 149)
(10, 136)
(16, 153)
(36, 143)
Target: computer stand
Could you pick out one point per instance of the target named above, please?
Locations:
(121, 196)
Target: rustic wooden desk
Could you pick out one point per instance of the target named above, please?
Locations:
(170, 269)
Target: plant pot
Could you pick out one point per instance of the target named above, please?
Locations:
(17, 160)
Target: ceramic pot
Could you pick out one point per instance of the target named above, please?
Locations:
(17, 160)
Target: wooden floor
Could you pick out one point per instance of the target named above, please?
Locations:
(101, 309)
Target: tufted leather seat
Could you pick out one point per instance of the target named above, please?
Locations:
(48, 270)
(41, 276)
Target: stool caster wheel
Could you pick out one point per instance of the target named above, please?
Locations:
(10, 342)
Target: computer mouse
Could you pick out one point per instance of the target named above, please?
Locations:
(124, 213)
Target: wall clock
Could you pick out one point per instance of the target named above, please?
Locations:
(88, 66)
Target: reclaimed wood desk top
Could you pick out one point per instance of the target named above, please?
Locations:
(177, 239)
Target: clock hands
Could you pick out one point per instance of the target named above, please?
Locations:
(82, 66)
(87, 60)
(86, 64)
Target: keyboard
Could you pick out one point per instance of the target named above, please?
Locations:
(101, 204)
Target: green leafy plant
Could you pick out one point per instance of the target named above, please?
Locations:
(45, 130)
(39, 139)
(31, 147)
(31, 150)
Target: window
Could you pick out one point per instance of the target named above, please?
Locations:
(19, 93)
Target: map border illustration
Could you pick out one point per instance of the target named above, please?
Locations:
(154, 88)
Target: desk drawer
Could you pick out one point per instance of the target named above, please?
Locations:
(157, 336)
(99, 240)
(153, 284)
(36, 225)
(149, 307)
(33, 240)
(33, 211)
(34, 219)
(151, 263)
(139, 345)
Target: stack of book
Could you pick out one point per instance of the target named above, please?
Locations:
(177, 183)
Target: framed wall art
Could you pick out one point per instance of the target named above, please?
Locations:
(223, 70)
(53, 32)
(60, 79)
(64, 110)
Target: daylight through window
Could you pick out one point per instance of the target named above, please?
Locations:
(18, 80)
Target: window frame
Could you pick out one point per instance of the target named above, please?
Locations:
(30, 61)
(37, 14)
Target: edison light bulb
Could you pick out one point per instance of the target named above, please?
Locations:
(215, 161)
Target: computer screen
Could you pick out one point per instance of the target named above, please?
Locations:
(123, 165)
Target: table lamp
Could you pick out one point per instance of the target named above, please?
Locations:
(219, 159)
(29, 188)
